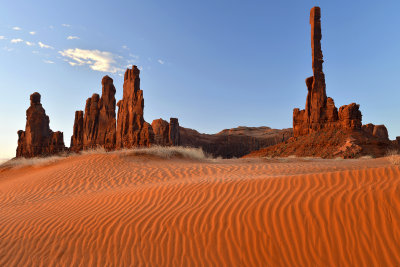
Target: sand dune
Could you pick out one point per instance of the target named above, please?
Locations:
(120, 209)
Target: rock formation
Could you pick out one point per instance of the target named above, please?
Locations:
(320, 111)
(166, 134)
(132, 130)
(77, 135)
(161, 132)
(98, 125)
(38, 139)
(174, 132)
(106, 132)
(321, 130)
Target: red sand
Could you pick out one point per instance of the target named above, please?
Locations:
(116, 210)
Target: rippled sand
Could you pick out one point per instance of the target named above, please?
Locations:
(125, 210)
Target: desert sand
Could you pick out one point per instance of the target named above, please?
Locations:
(120, 209)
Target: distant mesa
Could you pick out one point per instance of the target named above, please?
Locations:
(236, 142)
(320, 129)
(38, 139)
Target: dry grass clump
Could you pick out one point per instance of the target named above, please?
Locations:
(40, 161)
(156, 151)
(393, 156)
(167, 152)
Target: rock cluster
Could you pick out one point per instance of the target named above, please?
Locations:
(38, 139)
(320, 111)
(98, 127)
(99, 118)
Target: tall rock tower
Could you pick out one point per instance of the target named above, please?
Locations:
(38, 139)
(132, 130)
(320, 111)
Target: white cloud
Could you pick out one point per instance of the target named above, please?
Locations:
(2, 37)
(48, 61)
(32, 33)
(95, 59)
(15, 41)
(35, 52)
(72, 37)
(42, 45)
(125, 47)
(8, 49)
(16, 28)
(29, 43)
(65, 25)
(161, 61)
(51, 27)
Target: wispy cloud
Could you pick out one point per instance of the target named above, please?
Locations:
(125, 47)
(32, 33)
(65, 25)
(51, 27)
(29, 43)
(72, 37)
(95, 59)
(35, 52)
(48, 61)
(42, 45)
(15, 41)
(161, 61)
(2, 37)
(16, 28)
(8, 49)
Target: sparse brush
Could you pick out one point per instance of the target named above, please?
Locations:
(393, 156)
(22, 162)
(158, 151)
(167, 152)
(367, 157)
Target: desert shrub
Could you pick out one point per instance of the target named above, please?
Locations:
(393, 156)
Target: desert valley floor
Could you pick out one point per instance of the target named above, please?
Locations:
(124, 209)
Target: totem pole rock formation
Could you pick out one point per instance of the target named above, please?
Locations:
(38, 139)
(320, 130)
(166, 134)
(320, 111)
(132, 130)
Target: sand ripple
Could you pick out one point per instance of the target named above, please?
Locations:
(111, 210)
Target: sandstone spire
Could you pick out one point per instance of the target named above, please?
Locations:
(132, 130)
(320, 111)
(77, 135)
(99, 124)
(38, 139)
(106, 133)
(316, 99)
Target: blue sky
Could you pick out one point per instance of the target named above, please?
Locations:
(212, 64)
